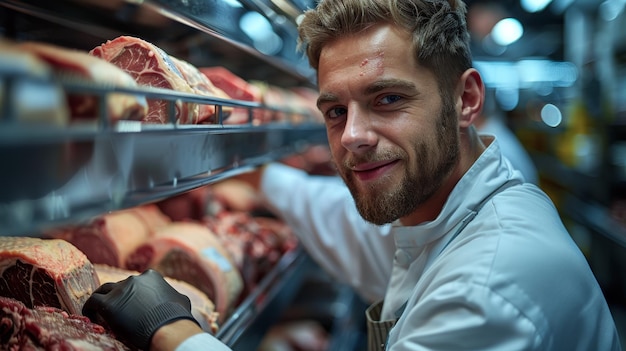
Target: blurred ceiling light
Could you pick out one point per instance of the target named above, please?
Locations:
(507, 31)
(559, 6)
(610, 9)
(260, 30)
(299, 18)
(491, 47)
(533, 6)
(233, 3)
(508, 99)
(551, 115)
(526, 74)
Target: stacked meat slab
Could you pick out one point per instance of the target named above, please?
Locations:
(43, 286)
(208, 250)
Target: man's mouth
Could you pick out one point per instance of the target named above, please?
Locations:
(373, 170)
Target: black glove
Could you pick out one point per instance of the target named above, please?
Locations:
(137, 307)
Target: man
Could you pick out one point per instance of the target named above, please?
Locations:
(469, 256)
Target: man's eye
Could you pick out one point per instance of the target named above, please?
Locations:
(335, 112)
(388, 99)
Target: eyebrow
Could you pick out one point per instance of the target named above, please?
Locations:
(373, 88)
(380, 85)
(326, 98)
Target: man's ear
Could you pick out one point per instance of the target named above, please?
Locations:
(472, 91)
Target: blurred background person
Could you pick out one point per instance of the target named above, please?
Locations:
(493, 121)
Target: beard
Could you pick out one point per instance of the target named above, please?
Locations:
(421, 179)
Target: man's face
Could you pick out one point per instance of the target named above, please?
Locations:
(393, 139)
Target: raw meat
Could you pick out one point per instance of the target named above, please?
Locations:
(296, 335)
(46, 272)
(192, 253)
(152, 216)
(294, 105)
(75, 63)
(48, 328)
(236, 88)
(203, 86)
(110, 238)
(192, 205)
(236, 195)
(34, 99)
(202, 307)
(256, 244)
(272, 96)
(151, 66)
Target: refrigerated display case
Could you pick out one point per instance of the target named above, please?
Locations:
(55, 174)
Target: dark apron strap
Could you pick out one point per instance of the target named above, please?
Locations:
(377, 330)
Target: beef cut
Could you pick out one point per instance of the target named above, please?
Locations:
(48, 328)
(255, 243)
(151, 66)
(74, 63)
(202, 308)
(50, 106)
(191, 205)
(235, 194)
(201, 85)
(46, 272)
(237, 88)
(110, 238)
(190, 252)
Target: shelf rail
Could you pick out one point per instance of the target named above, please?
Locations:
(56, 174)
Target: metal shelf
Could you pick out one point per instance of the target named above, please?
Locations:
(203, 32)
(61, 174)
(247, 325)
(50, 183)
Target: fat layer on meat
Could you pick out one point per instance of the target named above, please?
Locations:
(150, 66)
(75, 63)
(46, 272)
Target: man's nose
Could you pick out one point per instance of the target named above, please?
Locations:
(358, 134)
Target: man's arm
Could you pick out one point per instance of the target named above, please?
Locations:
(170, 336)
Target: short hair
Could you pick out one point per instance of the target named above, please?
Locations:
(439, 30)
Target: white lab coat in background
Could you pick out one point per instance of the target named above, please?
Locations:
(511, 147)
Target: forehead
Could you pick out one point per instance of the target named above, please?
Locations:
(380, 51)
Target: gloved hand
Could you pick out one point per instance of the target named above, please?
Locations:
(135, 308)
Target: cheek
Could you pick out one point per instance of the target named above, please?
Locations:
(414, 136)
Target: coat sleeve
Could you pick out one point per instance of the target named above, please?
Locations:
(202, 341)
(322, 213)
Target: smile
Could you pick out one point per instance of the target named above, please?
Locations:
(371, 171)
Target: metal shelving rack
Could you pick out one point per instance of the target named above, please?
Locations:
(55, 175)
(100, 168)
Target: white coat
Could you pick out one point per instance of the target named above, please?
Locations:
(513, 279)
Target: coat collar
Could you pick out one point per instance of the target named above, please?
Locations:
(490, 172)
